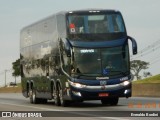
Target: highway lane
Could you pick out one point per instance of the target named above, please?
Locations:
(16, 102)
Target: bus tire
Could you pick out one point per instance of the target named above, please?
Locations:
(105, 101)
(56, 96)
(110, 101)
(32, 96)
(114, 101)
(63, 102)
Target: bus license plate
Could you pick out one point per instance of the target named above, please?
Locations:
(103, 94)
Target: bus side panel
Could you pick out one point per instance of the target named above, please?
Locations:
(39, 51)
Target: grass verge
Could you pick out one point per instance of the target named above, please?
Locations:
(11, 89)
(153, 79)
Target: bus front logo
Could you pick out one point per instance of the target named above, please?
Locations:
(103, 83)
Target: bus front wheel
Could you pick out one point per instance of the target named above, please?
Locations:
(63, 102)
(56, 96)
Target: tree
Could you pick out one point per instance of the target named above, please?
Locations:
(137, 66)
(16, 68)
(146, 74)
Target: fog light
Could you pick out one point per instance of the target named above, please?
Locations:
(125, 92)
(76, 93)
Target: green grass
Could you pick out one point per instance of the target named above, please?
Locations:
(19, 84)
(153, 79)
(13, 89)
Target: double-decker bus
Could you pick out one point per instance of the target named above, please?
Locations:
(76, 56)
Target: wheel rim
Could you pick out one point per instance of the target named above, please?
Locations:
(30, 95)
(56, 97)
(61, 96)
(34, 97)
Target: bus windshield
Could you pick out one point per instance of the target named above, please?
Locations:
(104, 26)
(101, 62)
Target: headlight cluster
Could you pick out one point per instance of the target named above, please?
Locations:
(77, 85)
(125, 83)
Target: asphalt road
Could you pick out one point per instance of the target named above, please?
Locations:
(87, 110)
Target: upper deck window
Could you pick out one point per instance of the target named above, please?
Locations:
(95, 23)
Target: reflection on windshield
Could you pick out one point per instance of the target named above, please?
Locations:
(87, 61)
(102, 26)
(101, 62)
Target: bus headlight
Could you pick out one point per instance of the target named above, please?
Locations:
(125, 83)
(77, 85)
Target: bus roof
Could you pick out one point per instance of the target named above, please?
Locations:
(92, 10)
(82, 11)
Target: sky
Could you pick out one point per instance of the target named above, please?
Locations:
(142, 20)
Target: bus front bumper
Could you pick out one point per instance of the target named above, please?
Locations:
(82, 92)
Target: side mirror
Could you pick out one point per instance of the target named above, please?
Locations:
(134, 45)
